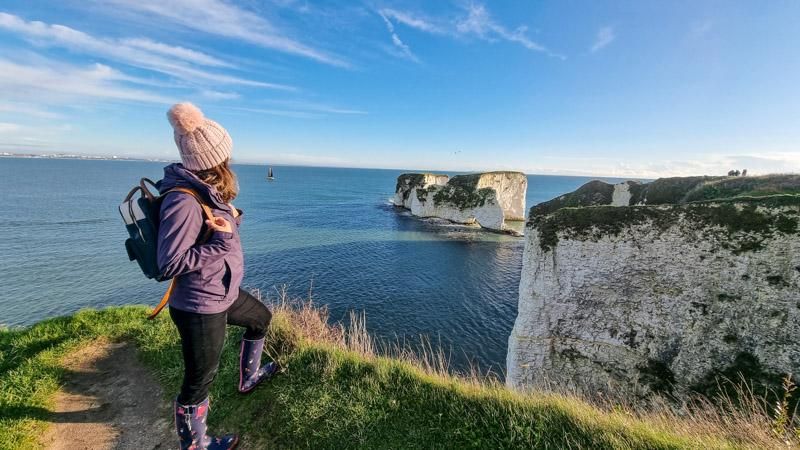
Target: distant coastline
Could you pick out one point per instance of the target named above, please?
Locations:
(77, 156)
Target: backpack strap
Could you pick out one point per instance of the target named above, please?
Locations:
(206, 236)
(164, 300)
(206, 209)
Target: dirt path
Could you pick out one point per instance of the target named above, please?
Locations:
(109, 401)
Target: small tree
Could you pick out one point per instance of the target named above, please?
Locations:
(744, 172)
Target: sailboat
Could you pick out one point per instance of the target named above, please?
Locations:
(270, 176)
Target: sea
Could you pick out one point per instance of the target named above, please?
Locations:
(327, 233)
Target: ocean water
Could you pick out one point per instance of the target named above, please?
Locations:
(331, 231)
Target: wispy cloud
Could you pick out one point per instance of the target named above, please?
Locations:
(226, 19)
(17, 136)
(6, 127)
(217, 95)
(315, 107)
(17, 145)
(411, 20)
(143, 53)
(475, 21)
(27, 110)
(62, 82)
(404, 50)
(604, 37)
(276, 112)
(708, 164)
(185, 54)
(14, 128)
(479, 22)
(720, 164)
(299, 109)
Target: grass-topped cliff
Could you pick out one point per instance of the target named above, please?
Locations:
(742, 215)
(337, 393)
(407, 182)
(734, 204)
(674, 191)
(462, 192)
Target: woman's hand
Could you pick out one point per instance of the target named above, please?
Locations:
(219, 224)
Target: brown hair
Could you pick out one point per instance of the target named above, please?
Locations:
(222, 178)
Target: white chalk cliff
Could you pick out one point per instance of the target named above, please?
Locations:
(486, 199)
(700, 281)
(408, 183)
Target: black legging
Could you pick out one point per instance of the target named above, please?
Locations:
(202, 337)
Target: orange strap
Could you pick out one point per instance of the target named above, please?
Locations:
(210, 216)
(206, 209)
(163, 302)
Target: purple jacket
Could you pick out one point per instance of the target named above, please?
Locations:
(208, 274)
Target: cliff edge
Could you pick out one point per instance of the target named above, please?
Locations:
(336, 393)
(685, 282)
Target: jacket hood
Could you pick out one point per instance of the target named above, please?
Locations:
(175, 175)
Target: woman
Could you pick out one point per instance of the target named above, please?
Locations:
(206, 294)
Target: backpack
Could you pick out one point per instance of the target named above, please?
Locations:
(142, 218)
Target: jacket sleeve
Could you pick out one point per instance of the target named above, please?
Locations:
(181, 222)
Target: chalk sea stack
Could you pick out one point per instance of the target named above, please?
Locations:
(486, 199)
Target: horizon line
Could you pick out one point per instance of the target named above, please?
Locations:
(96, 157)
(93, 157)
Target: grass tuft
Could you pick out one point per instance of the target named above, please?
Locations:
(343, 389)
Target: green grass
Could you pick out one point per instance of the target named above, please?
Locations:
(409, 181)
(731, 187)
(593, 193)
(335, 394)
(674, 191)
(744, 221)
(668, 191)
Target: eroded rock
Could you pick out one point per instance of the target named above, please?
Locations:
(663, 297)
(485, 199)
(408, 183)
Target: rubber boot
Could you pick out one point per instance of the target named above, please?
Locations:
(190, 421)
(251, 372)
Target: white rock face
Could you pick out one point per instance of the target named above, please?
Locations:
(407, 185)
(487, 199)
(621, 195)
(511, 188)
(489, 215)
(657, 306)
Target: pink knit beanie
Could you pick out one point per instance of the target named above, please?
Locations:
(201, 142)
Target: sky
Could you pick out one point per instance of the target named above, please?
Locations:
(635, 88)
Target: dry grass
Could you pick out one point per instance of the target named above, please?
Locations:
(310, 322)
(741, 416)
(753, 186)
(342, 391)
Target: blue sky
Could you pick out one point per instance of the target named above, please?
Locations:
(623, 88)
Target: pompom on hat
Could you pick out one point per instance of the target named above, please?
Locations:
(202, 143)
